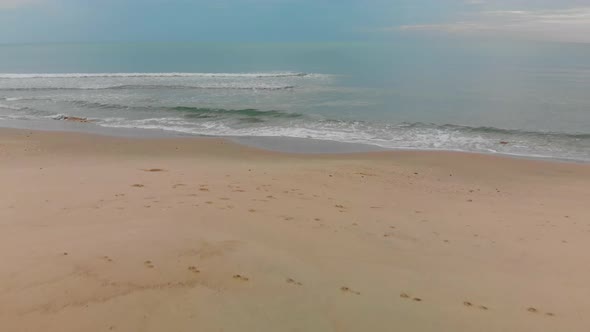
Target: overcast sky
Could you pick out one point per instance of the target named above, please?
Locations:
(288, 20)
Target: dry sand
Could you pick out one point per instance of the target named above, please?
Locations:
(114, 234)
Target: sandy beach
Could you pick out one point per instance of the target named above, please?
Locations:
(103, 233)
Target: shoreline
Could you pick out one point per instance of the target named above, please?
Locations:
(282, 144)
(150, 234)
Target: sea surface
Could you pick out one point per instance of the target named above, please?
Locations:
(527, 99)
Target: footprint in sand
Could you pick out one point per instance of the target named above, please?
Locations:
(107, 258)
(178, 185)
(348, 290)
(251, 210)
(408, 297)
(138, 185)
(536, 311)
(148, 264)
(294, 282)
(240, 277)
(153, 170)
(469, 304)
(193, 269)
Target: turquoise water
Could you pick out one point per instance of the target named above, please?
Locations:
(527, 99)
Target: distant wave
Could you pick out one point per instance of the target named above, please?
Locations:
(203, 87)
(123, 75)
(140, 86)
(12, 98)
(24, 98)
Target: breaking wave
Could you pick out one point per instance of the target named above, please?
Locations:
(144, 75)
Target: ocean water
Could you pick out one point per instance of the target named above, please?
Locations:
(527, 99)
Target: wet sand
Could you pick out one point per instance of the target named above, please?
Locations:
(181, 234)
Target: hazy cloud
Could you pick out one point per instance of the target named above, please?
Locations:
(571, 24)
(7, 4)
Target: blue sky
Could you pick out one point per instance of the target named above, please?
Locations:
(288, 20)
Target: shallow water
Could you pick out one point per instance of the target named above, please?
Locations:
(510, 98)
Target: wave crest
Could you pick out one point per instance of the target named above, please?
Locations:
(247, 114)
(140, 86)
(125, 75)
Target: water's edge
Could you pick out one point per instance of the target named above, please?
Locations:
(290, 145)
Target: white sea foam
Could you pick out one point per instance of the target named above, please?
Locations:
(236, 86)
(253, 82)
(421, 137)
(123, 75)
(57, 116)
(400, 136)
